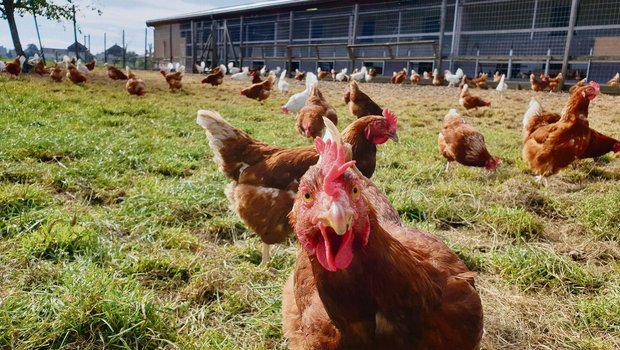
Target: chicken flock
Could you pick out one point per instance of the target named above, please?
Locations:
(362, 278)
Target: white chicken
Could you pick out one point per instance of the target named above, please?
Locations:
(201, 68)
(453, 79)
(501, 86)
(263, 71)
(232, 69)
(282, 83)
(297, 101)
(81, 67)
(2, 66)
(342, 75)
(277, 70)
(244, 75)
(34, 59)
(361, 75)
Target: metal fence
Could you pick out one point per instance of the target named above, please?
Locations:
(517, 37)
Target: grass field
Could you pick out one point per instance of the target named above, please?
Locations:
(115, 231)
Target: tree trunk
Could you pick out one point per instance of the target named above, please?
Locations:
(10, 17)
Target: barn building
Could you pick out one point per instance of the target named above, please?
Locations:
(578, 37)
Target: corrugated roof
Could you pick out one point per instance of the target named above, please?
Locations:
(229, 10)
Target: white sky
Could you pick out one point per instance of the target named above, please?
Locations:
(130, 15)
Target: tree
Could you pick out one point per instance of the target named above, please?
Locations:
(43, 8)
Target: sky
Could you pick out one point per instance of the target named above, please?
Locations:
(130, 15)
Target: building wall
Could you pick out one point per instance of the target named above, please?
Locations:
(487, 30)
(164, 36)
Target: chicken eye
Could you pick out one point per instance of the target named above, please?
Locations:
(307, 197)
(355, 192)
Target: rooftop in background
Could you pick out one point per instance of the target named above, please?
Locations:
(235, 10)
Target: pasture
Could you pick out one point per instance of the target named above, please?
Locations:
(115, 231)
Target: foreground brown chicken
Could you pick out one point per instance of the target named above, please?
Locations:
(577, 85)
(134, 86)
(552, 147)
(174, 80)
(599, 144)
(458, 141)
(259, 91)
(56, 73)
(469, 101)
(265, 178)
(362, 280)
(310, 117)
(359, 103)
(115, 73)
(75, 76)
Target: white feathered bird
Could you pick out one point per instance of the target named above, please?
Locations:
(263, 71)
(244, 75)
(297, 101)
(342, 75)
(34, 59)
(232, 69)
(277, 70)
(2, 66)
(501, 86)
(282, 83)
(453, 79)
(200, 67)
(361, 75)
(81, 67)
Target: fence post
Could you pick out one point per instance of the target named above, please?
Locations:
(547, 61)
(589, 64)
(509, 72)
(354, 34)
(442, 28)
(105, 49)
(477, 64)
(569, 38)
(145, 52)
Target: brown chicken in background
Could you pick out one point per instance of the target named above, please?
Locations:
(599, 144)
(464, 81)
(497, 76)
(260, 91)
(614, 81)
(14, 68)
(469, 101)
(321, 74)
(299, 75)
(134, 86)
(437, 79)
(56, 73)
(174, 80)
(552, 147)
(41, 69)
(481, 81)
(553, 83)
(75, 76)
(115, 73)
(216, 77)
(537, 84)
(399, 77)
(310, 117)
(91, 65)
(362, 279)
(255, 77)
(265, 177)
(415, 77)
(458, 141)
(359, 103)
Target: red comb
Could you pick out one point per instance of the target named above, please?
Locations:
(391, 118)
(332, 162)
(595, 85)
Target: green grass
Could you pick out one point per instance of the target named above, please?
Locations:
(115, 231)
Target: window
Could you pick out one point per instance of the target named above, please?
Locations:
(325, 65)
(376, 65)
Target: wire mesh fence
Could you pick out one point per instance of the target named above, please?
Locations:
(517, 37)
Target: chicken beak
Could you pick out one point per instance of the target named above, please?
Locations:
(394, 137)
(338, 218)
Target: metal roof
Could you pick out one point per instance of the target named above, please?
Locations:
(234, 10)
